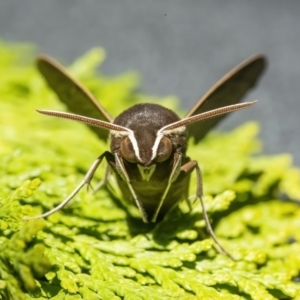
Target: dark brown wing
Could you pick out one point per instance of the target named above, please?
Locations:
(227, 91)
(72, 93)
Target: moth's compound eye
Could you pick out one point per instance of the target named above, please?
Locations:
(127, 150)
(164, 150)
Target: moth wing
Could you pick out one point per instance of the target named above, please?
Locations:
(227, 91)
(72, 93)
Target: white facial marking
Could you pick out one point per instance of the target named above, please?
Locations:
(118, 134)
(161, 133)
(135, 145)
(159, 136)
(130, 134)
(178, 130)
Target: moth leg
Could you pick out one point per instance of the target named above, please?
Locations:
(173, 176)
(87, 179)
(120, 169)
(189, 201)
(186, 169)
(189, 167)
(104, 180)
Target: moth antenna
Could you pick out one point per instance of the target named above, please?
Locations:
(207, 115)
(85, 120)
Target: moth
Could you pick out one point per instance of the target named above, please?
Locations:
(148, 142)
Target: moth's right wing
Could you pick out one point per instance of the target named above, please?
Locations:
(228, 91)
(72, 93)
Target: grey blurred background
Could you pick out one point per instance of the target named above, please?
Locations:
(181, 47)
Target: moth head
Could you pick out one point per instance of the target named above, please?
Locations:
(145, 145)
(162, 152)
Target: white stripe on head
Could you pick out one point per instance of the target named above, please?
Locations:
(135, 145)
(159, 136)
(130, 134)
(161, 133)
(177, 130)
(118, 134)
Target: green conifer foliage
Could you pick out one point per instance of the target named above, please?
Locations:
(98, 247)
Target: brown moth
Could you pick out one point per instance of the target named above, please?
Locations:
(148, 142)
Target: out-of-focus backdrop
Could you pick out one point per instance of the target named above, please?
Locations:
(180, 48)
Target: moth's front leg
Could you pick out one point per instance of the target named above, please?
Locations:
(175, 172)
(187, 169)
(120, 169)
(104, 180)
(86, 181)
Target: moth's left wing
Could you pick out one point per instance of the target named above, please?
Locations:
(72, 93)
